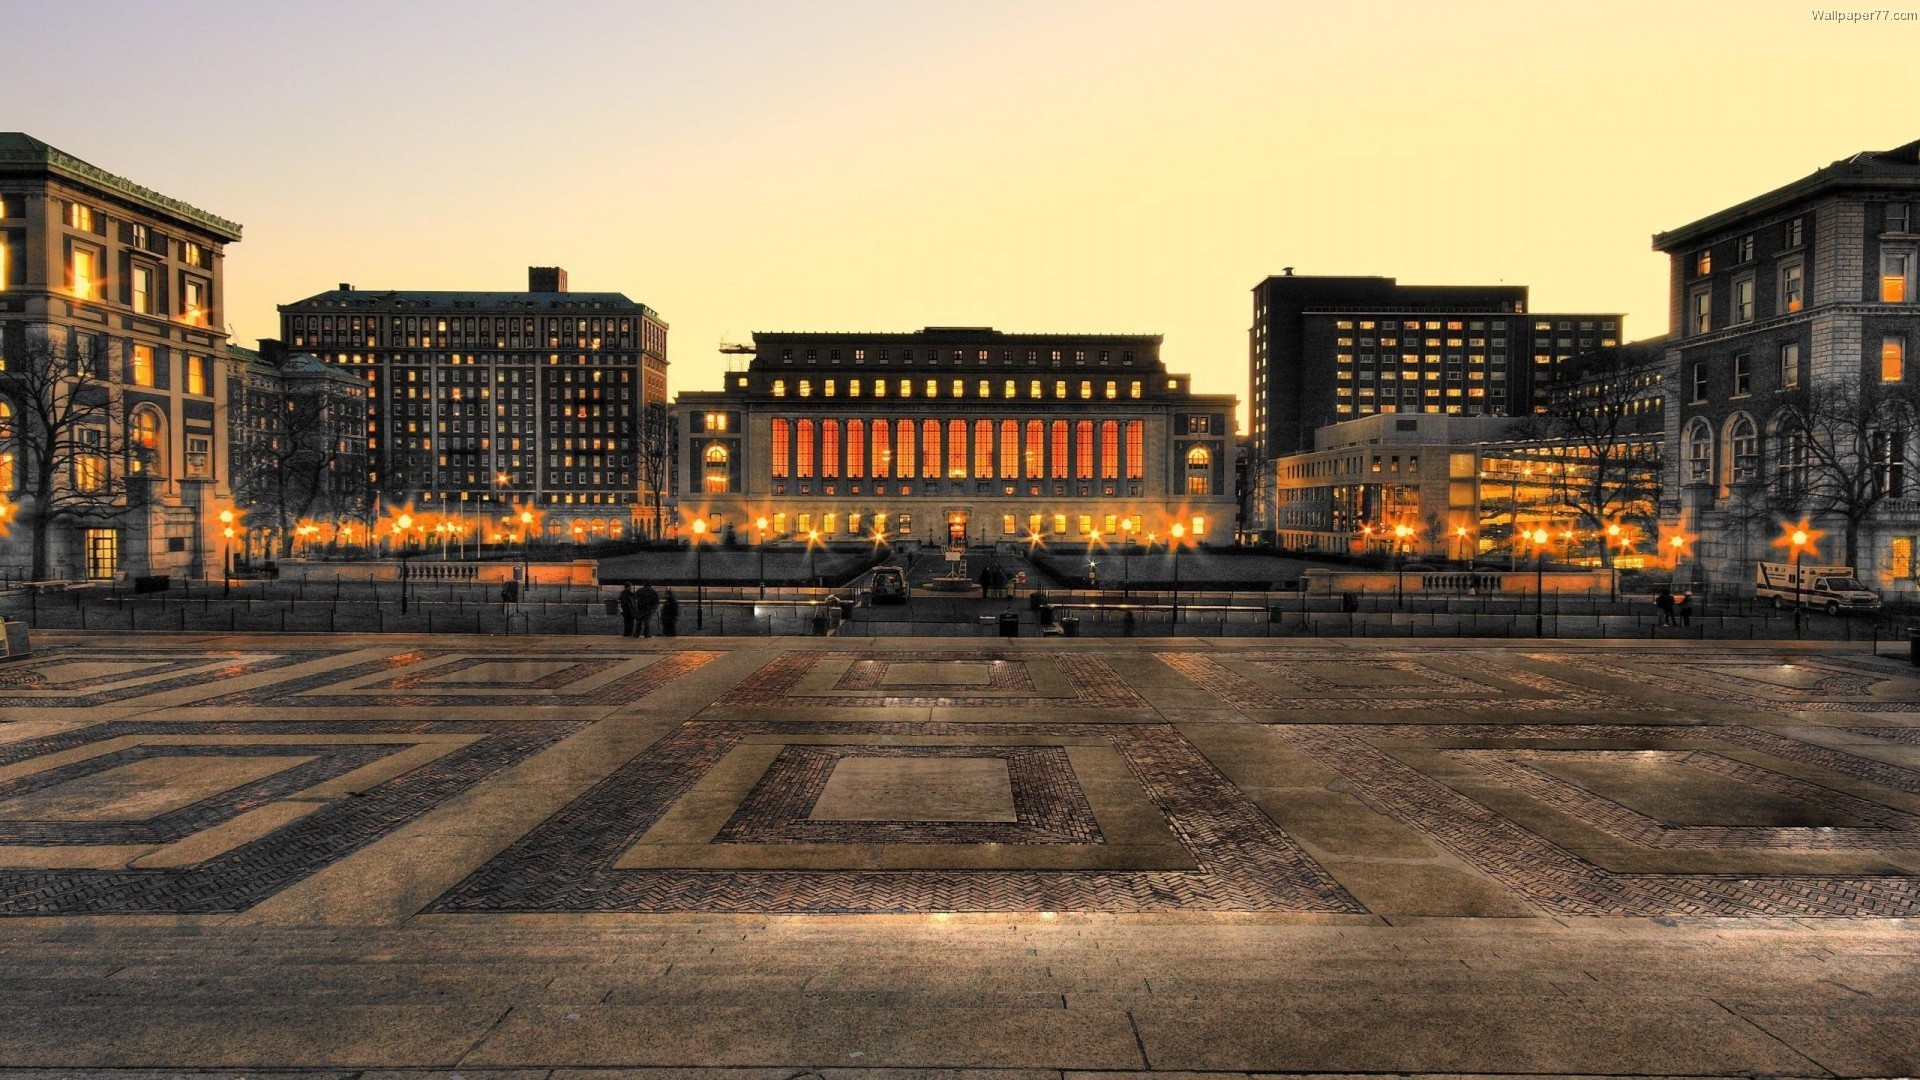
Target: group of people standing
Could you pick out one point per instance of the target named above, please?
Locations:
(637, 608)
(1674, 611)
(993, 580)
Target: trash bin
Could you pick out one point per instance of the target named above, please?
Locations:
(1276, 614)
(612, 606)
(820, 622)
(1036, 599)
(1046, 614)
(1070, 626)
(1009, 624)
(1349, 602)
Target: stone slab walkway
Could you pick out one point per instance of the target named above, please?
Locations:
(886, 859)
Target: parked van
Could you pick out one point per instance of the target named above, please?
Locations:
(1832, 589)
(890, 585)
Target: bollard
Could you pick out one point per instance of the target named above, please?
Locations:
(1913, 645)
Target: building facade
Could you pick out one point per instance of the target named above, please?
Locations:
(956, 436)
(483, 403)
(297, 430)
(111, 300)
(1795, 317)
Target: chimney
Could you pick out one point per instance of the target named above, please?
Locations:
(546, 279)
(346, 287)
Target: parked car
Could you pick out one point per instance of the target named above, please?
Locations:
(890, 585)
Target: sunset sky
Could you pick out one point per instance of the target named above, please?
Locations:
(1105, 166)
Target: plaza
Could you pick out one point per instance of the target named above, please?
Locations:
(337, 855)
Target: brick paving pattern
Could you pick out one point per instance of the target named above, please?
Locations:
(1246, 862)
(1447, 689)
(1843, 677)
(872, 674)
(243, 876)
(302, 692)
(33, 673)
(1095, 685)
(1047, 799)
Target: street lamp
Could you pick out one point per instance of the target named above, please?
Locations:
(1540, 540)
(226, 553)
(1799, 539)
(1176, 533)
(1401, 533)
(761, 525)
(1460, 543)
(813, 537)
(699, 576)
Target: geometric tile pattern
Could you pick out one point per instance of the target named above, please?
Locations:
(243, 875)
(1908, 735)
(51, 678)
(1785, 684)
(417, 683)
(1301, 680)
(1891, 829)
(873, 675)
(1245, 862)
(1090, 683)
(1562, 882)
(1050, 807)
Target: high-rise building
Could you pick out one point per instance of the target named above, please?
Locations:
(112, 310)
(487, 402)
(958, 435)
(1795, 315)
(1327, 349)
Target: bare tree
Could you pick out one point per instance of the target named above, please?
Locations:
(655, 443)
(1603, 419)
(68, 438)
(1838, 452)
(286, 475)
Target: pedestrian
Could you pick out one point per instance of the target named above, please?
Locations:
(1686, 609)
(629, 609)
(669, 614)
(986, 582)
(1664, 601)
(646, 602)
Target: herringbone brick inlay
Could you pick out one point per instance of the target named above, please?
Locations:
(1048, 801)
(1094, 684)
(1836, 684)
(1471, 684)
(309, 691)
(1562, 883)
(1245, 862)
(249, 873)
(158, 671)
(872, 675)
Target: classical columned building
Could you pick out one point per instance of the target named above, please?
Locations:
(112, 308)
(956, 435)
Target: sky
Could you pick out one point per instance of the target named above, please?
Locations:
(1045, 166)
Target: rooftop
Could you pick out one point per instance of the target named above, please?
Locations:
(462, 300)
(1896, 169)
(21, 152)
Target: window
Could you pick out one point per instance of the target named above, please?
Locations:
(1743, 447)
(1110, 450)
(956, 449)
(1699, 453)
(714, 478)
(1895, 266)
(1743, 249)
(103, 553)
(194, 308)
(1197, 527)
(1796, 234)
(904, 447)
(882, 450)
(1893, 358)
(1793, 288)
(782, 447)
(143, 290)
(830, 448)
(1009, 525)
(1701, 309)
(1009, 449)
(856, 447)
(1790, 365)
(148, 448)
(79, 217)
(1136, 449)
(1083, 450)
(1059, 524)
(1699, 382)
(196, 374)
(983, 449)
(803, 450)
(1789, 449)
(1702, 263)
(930, 449)
(83, 272)
(1899, 217)
(1743, 300)
(1199, 471)
(779, 388)
(1900, 558)
(1889, 450)
(8, 474)
(142, 373)
(1742, 375)
(90, 460)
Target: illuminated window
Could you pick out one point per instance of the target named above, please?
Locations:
(83, 272)
(1703, 264)
(1059, 524)
(933, 387)
(1011, 389)
(194, 306)
(856, 447)
(196, 375)
(882, 450)
(1793, 288)
(148, 445)
(806, 387)
(782, 447)
(930, 460)
(1133, 389)
(780, 524)
(906, 387)
(1113, 389)
(904, 447)
(1009, 525)
(1110, 450)
(830, 448)
(779, 388)
(803, 453)
(715, 477)
(957, 449)
(879, 388)
(1893, 358)
(1083, 450)
(143, 290)
(1086, 389)
(1895, 268)
(1036, 449)
(1136, 449)
(1033, 389)
(1057, 444)
(983, 449)
(827, 521)
(142, 365)
(1009, 449)
(1199, 527)
(828, 387)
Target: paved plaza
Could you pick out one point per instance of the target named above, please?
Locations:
(889, 859)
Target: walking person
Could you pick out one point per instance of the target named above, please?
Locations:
(629, 608)
(646, 602)
(1664, 601)
(1686, 609)
(669, 615)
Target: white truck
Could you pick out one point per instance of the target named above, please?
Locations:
(1827, 588)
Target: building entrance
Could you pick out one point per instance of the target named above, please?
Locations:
(957, 528)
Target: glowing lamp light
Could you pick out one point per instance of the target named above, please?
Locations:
(1799, 537)
(761, 524)
(1539, 537)
(1461, 532)
(1179, 531)
(699, 527)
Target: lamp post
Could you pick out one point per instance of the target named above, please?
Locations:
(1179, 530)
(226, 553)
(526, 558)
(1401, 533)
(1800, 542)
(1540, 540)
(699, 576)
(813, 537)
(1460, 542)
(761, 543)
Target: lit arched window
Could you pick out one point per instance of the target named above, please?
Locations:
(1199, 471)
(1198, 458)
(146, 433)
(1787, 447)
(1699, 452)
(714, 477)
